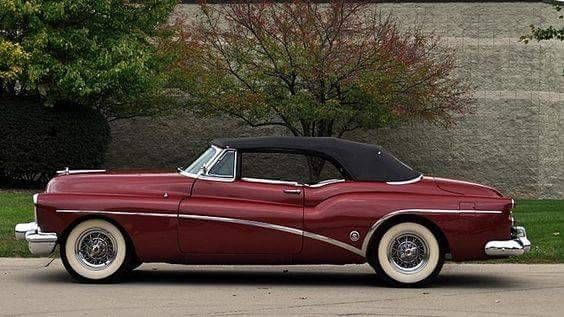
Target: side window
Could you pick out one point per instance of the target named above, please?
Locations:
(274, 166)
(225, 166)
(327, 171)
(293, 167)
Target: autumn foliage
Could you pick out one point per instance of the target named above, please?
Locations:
(315, 69)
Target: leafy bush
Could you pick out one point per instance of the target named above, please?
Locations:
(35, 141)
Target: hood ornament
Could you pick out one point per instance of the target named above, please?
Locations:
(68, 171)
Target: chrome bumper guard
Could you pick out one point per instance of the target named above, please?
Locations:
(40, 243)
(516, 246)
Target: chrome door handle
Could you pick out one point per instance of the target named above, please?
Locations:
(292, 191)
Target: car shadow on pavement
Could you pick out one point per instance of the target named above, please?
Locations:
(244, 277)
(330, 279)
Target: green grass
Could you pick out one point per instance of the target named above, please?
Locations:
(15, 207)
(543, 219)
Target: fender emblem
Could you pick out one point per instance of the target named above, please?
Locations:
(354, 235)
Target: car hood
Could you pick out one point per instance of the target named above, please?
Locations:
(125, 183)
(465, 188)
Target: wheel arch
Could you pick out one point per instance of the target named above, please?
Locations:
(126, 236)
(380, 227)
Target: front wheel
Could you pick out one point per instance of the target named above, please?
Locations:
(95, 251)
(408, 254)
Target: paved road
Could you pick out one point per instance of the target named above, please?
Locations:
(29, 287)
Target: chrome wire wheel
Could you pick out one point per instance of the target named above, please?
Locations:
(408, 253)
(96, 249)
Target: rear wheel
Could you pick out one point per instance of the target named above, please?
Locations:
(95, 251)
(408, 254)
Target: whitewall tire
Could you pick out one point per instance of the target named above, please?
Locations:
(408, 254)
(95, 250)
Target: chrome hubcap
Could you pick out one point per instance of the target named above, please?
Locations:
(408, 253)
(96, 249)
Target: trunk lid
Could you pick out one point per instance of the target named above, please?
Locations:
(466, 188)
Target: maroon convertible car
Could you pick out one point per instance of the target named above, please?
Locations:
(273, 200)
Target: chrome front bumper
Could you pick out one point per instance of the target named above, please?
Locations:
(516, 246)
(40, 243)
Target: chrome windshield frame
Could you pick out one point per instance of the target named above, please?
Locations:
(218, 151)
(212, 163)
(206, 167)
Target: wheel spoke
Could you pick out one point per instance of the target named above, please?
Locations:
(408, 252)
(95, 249)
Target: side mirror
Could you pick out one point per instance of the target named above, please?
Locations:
(204, 170)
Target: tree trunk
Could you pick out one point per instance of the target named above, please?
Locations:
(315, 163)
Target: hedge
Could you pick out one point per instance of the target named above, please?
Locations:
(36, 141)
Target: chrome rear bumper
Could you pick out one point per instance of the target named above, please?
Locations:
(40, 243)
(516, 246)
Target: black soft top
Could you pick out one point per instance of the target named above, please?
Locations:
(362, 162)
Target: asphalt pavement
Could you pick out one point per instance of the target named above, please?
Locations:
(31, 287)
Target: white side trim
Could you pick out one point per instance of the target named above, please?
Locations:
(380, 221)
(269, 181)
(216, 178)
(311, 235)
(278, 228)
(326, 182)
(473, 211)
(410, 181)
(245, 222)
(280, 182)
(334, 242)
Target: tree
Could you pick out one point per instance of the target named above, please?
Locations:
(314, 69)
(102, 54)
(547, 33)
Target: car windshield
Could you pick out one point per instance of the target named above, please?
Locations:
(197, 165)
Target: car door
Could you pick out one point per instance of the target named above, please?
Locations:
(241, 215)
